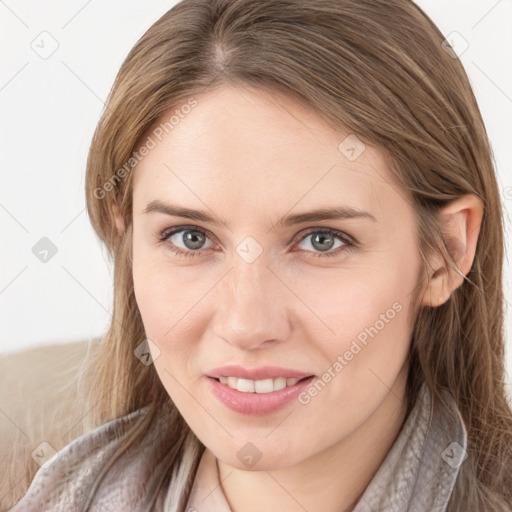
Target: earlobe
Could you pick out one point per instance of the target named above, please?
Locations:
(118, 219)
(460, 224)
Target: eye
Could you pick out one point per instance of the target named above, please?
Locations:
(185, 241)
(323, 241)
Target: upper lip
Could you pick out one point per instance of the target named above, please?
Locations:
(259, 373)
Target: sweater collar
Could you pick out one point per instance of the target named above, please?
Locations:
(420, 470)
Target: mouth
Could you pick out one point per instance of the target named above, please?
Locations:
(261, 386)
(257, 397)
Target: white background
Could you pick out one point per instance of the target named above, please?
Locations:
(49, 109)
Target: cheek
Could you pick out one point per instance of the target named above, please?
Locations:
(171, 301)
(152, 295)
(369, 315)
(165, 299)
(351, 302)
(155, 288)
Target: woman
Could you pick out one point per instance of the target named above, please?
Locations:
(300, 202)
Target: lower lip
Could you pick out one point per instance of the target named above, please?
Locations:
(256, 403)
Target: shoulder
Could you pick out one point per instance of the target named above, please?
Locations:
(41, 405)
(66, 479)
(422, 466)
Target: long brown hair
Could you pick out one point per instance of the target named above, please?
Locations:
(378, 68)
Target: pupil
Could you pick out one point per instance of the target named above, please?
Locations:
(320, 239)
(193, 239)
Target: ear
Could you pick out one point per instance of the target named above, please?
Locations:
(118, 219)
(460, 225)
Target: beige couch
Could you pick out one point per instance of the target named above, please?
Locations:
(39, 390)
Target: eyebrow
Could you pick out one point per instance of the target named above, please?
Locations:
(341, 212)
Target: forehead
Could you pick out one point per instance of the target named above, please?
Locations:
(246, 150)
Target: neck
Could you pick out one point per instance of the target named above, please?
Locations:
(341, 473)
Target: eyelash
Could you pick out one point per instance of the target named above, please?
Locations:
(349, 242)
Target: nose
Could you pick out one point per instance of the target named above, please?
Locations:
(252, 306)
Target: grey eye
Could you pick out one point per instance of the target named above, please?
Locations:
(191, 239)
(320, 241)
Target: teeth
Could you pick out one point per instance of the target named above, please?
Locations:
(258, 386)
(279, 383)
(264, 386)
(245, 385)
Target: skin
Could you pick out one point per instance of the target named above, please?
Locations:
(250, 159)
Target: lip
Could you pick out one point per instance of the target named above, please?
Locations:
(259, 373)
(256, 404)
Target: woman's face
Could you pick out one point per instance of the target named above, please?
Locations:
(257, 280)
